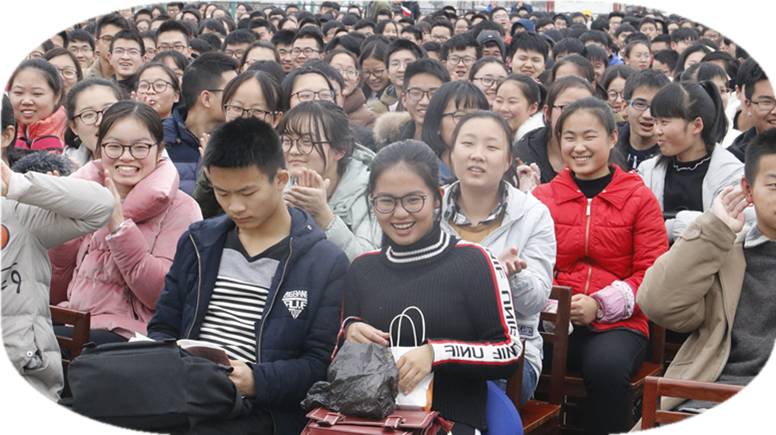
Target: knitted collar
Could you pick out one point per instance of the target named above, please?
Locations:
(431, 245)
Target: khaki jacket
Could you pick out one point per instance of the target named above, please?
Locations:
(694, 288)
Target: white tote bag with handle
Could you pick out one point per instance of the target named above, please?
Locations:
(421, 396)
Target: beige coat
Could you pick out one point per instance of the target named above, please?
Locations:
(694, 288)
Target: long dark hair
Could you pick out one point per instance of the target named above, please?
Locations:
(690, 100)
(132, 109)
(415, 155)
(464, 95)
(310, 117)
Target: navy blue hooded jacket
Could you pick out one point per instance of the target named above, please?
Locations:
(183, 147)
(292, 353)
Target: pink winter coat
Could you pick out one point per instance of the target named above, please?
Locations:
(118, 277)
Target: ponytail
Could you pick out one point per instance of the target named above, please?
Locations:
(715, 133)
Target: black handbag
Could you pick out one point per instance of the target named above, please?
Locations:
(151, 386)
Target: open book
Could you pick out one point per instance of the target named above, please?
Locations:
(200, 348)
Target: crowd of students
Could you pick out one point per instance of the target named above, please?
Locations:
(355, 161)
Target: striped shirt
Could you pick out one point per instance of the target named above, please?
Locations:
(239, 296)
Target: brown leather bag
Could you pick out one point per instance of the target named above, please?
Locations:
(400, 422)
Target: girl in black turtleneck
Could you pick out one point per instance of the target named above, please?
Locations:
(461, 289)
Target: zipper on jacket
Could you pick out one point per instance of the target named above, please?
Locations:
(199, 286)
(272, 302)
(587, 243)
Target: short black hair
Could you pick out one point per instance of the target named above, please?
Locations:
(310, 32)
(648, 78)
(111, 19)
(595, 36)
(8, 118)
(663, 37)
(684, 33)
(44, 162)
(242, 143)
(213, 25)
(529, 42)
(584, 66)
(414, 30)
(762, 145)
(360, 24)
(461, 42)
(443, 22)
(568, 46)
(241, 36)
(668, 57)
(173, 26)
(200, 46)
(426, 66)
(129, 35)
(288, 82)
(205, 73)
(402, 44)
(79, 36)
(283, 37)
(752, 73)
(594, 52)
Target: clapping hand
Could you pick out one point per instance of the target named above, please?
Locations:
(117, 217)
(310, 193)
(729, 207)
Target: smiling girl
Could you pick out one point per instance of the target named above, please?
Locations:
(459, 286)
(117, 272)
(691, 168)
(330, 174)
(517, 101)
(609, 232)
(36, 93)
(483, 208)
(157, 85)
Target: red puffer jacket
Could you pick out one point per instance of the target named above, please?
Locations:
(616, 235)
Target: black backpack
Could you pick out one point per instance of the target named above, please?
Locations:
(151, 386)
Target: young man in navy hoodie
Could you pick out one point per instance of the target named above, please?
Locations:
(261, 281)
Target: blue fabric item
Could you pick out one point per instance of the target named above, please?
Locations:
(183, 148)
(503, 418)
(296, 335)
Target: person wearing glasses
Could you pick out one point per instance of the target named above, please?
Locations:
(126, 57)
(307, 45)
(421, 80)
(451, 102)
(252, 94)
(346, 63)
(85, 104)
(329, 174)
(461, 288)
(487, 73)
(759, 101)
(691, 168)
(117, 272)
(81, 44)
(638, 55)
(173, 36)
(399, 54)
(459, 54)
(185, 132)
(614, 86)
(372, 65)
(67, 65)
(637, 139)
(158, 87)
(306, 84)
(107, 27)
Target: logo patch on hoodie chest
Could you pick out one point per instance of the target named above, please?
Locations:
(295, 301)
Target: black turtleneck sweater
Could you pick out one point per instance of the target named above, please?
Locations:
(470, 320)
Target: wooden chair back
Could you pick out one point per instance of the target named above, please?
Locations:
(80, 320)
(559, 339)
(655, 388)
